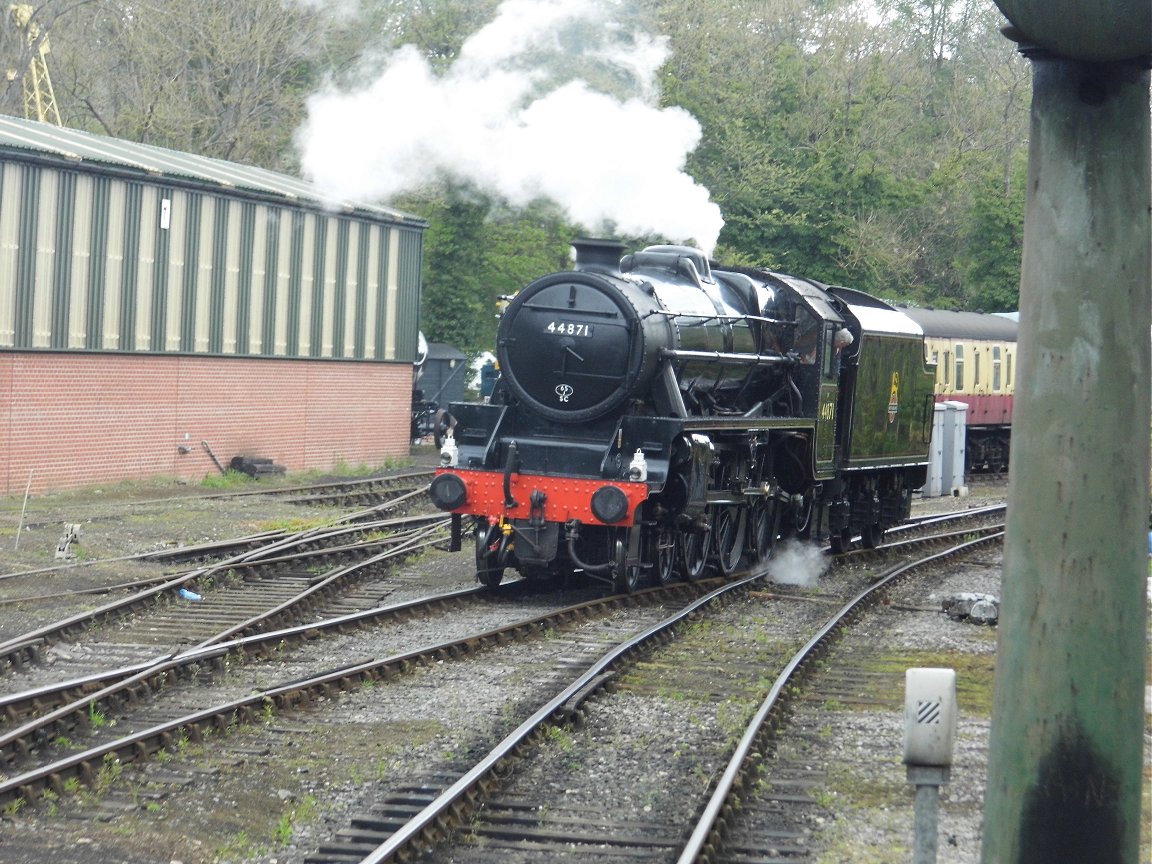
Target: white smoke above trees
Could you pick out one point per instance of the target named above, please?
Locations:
(553, 99)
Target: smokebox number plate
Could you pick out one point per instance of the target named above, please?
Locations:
(568, 328)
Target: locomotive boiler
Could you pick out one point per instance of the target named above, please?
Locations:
(658, 415)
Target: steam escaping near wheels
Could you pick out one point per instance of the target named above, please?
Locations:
(796, 563)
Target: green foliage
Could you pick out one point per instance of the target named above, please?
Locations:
(851, 152)
(475, 251)
(239, 847)
(437, 27)
(883, 156)
(304, 811)
(456, 304)
(220, 78)
(990, 260)
(108, 774)
(97, 719)
(561, 737)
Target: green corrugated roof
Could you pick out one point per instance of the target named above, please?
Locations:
(17, 134)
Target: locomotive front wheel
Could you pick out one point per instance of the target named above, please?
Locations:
(661, 553)
(872, 536)
(765, 519)
(488, 570)
(626, 577)
(840, 541)
(729, 531)
(692, 554)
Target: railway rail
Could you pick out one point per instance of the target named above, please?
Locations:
(292, 695)
(44, 712)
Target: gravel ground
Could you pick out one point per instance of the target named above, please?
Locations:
(867, 745)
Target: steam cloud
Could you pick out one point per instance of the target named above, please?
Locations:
(516, 115)
(797, 563)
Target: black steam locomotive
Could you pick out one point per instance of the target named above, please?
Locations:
(657, 415)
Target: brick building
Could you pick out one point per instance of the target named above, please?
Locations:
(155, 306)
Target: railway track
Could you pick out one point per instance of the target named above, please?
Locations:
(481, 818)
(258, 696)
(338, 492)
(286, 566)
(149, 740)
(62, 707)
(373, 494)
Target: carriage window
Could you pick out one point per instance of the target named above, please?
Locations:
(976, 379)
(1008, 372)
(996, 368)
(959, 367)
(946, 366)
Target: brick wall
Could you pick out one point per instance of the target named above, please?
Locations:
(71, 419)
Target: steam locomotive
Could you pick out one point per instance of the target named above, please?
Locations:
(658, 416)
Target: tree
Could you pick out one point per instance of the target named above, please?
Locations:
(846, 149)
(879, 154)
(455, 301)
(222, 78)
(24, 28)
(476, 251)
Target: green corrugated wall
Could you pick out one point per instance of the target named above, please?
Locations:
(106, 263)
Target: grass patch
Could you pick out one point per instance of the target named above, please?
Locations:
(302, 812)
(842, 843)
(294, 525)
(228, 480)
(874, 791)
(974, 675)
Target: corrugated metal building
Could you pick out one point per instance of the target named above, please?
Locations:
(156, 305)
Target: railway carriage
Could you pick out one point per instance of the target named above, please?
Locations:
(658, 415)
(975, 357)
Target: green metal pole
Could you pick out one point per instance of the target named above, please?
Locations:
(1065, 762)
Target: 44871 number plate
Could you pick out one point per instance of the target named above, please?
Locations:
(568, 328)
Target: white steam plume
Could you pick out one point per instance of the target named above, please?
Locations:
(512, 116)
(797, 563)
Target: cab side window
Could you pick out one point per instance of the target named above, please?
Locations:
(829, 365)
(807, 335)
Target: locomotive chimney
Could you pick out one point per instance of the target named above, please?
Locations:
(598, 255)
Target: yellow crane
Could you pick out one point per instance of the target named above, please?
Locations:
(39, 98)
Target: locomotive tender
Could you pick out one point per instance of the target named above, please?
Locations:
(657, 415)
